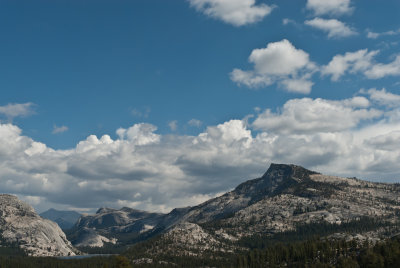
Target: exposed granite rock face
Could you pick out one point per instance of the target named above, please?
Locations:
(90, 238)
(190, 239)
(277, 179)
(21, 225)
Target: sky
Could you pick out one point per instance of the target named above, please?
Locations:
(156, 104)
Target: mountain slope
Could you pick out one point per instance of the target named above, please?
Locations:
(278, 178)
(20, 225)
(284, 199)
(64, 219)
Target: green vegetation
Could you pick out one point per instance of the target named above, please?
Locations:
(307, 246)
(19, 261)
(168, 258)
(311, 253)
(305, 232)
(325, 253)
(11, 256)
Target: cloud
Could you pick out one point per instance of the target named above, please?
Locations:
(387, 142)
(141, 113)
(134, 168)
(352, 62)
(60, 129)
(301, 85)
(382, 97)
(381, 70)
(357, 136)
(138, 134)
(287, 21)
(306, 116)
(279, 62)
(331, 7)
(361, 61)
(235, 12)
(173, 125)
(334, 28)
(374, 35)
(279, 58)
(13, 110)
(290, 68)
(195, 122)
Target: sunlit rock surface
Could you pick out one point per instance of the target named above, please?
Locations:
(21, 225)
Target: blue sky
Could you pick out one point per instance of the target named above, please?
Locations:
(266, 79)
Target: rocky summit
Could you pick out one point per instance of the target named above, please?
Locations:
(20, 225)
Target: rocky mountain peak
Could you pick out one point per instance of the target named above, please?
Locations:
(277, 178)
(104, 210)
(278, 172)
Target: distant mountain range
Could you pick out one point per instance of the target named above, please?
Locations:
(65, 219)
(113, 225)
(287, 201)
(284, 198)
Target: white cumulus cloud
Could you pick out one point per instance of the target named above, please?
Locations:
(235, 12)
(330, 7)
(380, 70)
(316, 115)
(357, 136)
(334, 28)
(352, 62)
(279, 62)
(140, 134)
(382, 97)
(12, 110)
(361, 61)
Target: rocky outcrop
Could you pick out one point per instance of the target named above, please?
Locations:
(190, 239)
(21, 225)
(90, 238)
